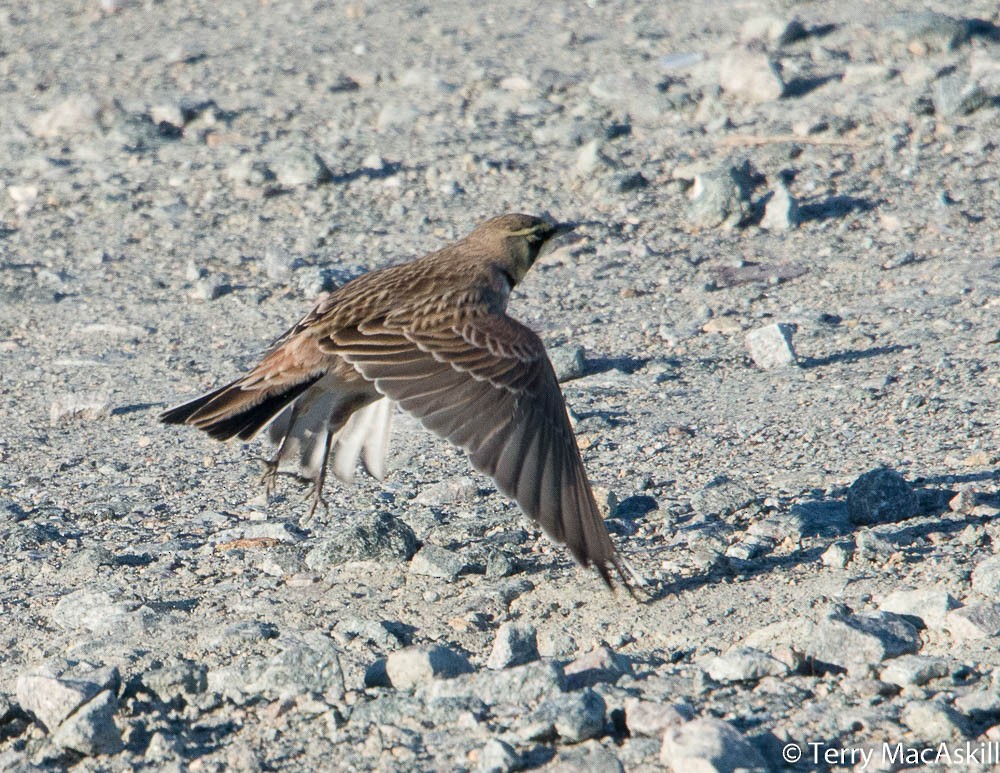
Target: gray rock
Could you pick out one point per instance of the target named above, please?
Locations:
(74, 115)
(249, 171)
(838, 555)
(568, 362)
(586, 757)
(571, 717)
(771, 346)
(772, 29)
(53, 691)
(514, 645)
(720, 197)
(751, 75)
(933, 721)
(974, 621)
(91, 729)
(497, 756)
(722, 496)
(929, 606)
(519, 685)
(926, 31)
(451, 491)
(499, 564)
(986, 577)
(651, 719)
(913, 670)
(434, 561)
(781, 213)
(600, 665)
(374, 537)
(708, 745)
(956, 95)
(744, 664)
(79, 406)
(880, 496)
(180, 679)
(866, 638)
(395, 115)
(98, 612)
(210, 288)
(11, 512)
(412, 666)
(298, 166)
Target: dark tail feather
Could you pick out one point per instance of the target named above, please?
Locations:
(232, 411)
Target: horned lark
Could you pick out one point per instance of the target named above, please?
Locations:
(432, 336)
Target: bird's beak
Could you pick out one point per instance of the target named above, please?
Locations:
(562, 228)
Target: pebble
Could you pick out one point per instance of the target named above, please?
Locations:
(838, 555)
(709, 746)
(497, 756)
(956, 95)
(930, 606)
(913, 670)
(933, 722)
(771, 346)
(79, 406)
(373, 537)
(81, 113)
(298, 166)
(928, 32)
(100, 613)
(568, 362)
(396, 116)
(986, 577)
(744, 664)
(434, 561)
(177, 680)
(781, 213)
(752, 76)
(651, 719)
(850, 641)
(974, 621)
(571, 717)
(880, 496)
(519, 685)
(210, 288)
(600, 665)
(448, 492)
(719, 197)
(416, 665)
(514, 645)
(772, 29)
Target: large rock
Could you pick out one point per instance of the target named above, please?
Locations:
(375, 537)
(415, 665)
(708, 746)
(880, 496)
(866, 638)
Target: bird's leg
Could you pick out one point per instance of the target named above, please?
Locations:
(316, 495)
(271, 466)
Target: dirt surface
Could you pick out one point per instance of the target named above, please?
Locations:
(179, 182)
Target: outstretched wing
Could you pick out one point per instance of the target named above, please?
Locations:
(487, 386)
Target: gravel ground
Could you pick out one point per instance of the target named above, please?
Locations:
(778, 337)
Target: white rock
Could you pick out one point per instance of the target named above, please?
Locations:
(706, 745)
(771, 346)
(751, 76)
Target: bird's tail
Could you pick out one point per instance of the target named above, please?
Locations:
(240, 409)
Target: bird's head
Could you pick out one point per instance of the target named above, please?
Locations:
(518, 240)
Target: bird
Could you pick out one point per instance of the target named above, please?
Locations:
(432, 336)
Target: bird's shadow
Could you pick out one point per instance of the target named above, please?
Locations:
(854, 355)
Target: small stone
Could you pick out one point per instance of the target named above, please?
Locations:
(76, 114)
(409, 667)
(866, 638)
(396, 116)
(499, 564)
(589, 159)
(965, 500)
(434, 561)
(838, 555)
(651, 719)
(448, 492)
(771, 346)
(572, 717)
(374, 537)
(720, 197)
(722, 325)
(210, 288)
(82, 406)
(781, 213)
(880, 496)
(986, 577)
(974, 621)
(100, 613)
(772, 29)
(514, 645)
(709, 746)
(170, 113)
(299, 166)
(178, 680)
(744, 664)
(91, 729)
(568, 362)
(517, 686)
(926, 32)
(913, 670)
(956, 95)
(933, 721)
(600, 665)
(497, 756)
(721, 497)
(751, 76)
(929, 606)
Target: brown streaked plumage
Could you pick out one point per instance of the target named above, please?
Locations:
(433, 336)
